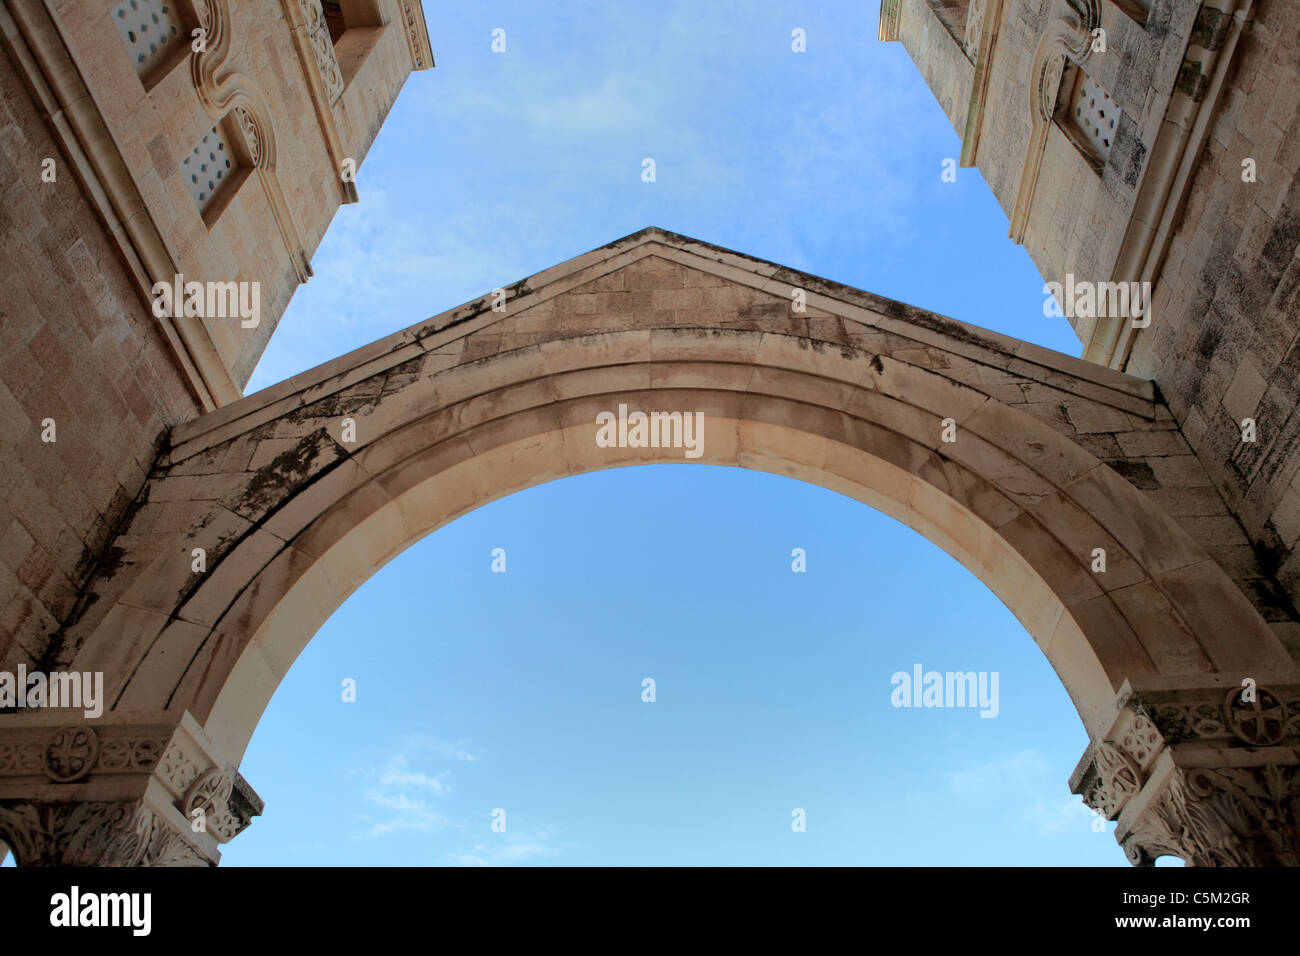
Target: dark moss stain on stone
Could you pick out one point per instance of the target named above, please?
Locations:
(283, 476)
(1210, 29)
(1134, 159)
(1208, 343)
(401, 375)
(762, 310)
(92, 568)
(1284, 237)
(1137, 473)
(816, 345)
(1191, 81)
(937, 323)
(364, 397)
(878, 364)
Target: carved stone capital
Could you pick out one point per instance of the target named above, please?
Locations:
(95, 833)
(1210, 775)
(122, 792)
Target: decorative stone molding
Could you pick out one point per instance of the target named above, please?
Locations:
(1200, 774)
(252, 137)
(209, 795)
(95, 833)
(974, 28)
(124, 793)
(417, 34)
(981, 42)
(324, 80)
(69, 754)
(222, 90)
(322, 48)
(1068, 36)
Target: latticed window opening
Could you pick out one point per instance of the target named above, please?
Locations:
(1088, 115)
(209, 166)
(149, 29)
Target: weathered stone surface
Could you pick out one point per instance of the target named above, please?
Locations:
(1018, 497)
(1198, 196)
(79, 343)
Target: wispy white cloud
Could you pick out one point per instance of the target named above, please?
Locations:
(1030, 775)
(407, 795)
(507, 849)
(1023, 771)
(461, 749)
(1062, 816)
(398, 774)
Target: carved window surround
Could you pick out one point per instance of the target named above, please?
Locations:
(224, 91)
(172, 19)
(314, 32)
(1068, 37)
(117, 791)
(363, 23)
(1088, 116)
(325, 82)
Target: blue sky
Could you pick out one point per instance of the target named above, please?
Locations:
(523, 691)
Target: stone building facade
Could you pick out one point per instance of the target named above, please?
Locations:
(141, 140)
(1154, 141)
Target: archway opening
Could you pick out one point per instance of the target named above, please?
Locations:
(520, 689)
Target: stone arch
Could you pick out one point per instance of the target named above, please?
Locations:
(793, 375)
(881, 449)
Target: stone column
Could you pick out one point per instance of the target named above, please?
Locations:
(124, 792)
(1209, 774)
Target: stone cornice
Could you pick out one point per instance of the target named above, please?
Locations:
(417, 34)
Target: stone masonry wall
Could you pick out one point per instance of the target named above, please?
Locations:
(1226, 345)
(156, 128)
(76, 345)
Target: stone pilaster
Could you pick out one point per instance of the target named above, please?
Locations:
(123, 792)
(1208, 774)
